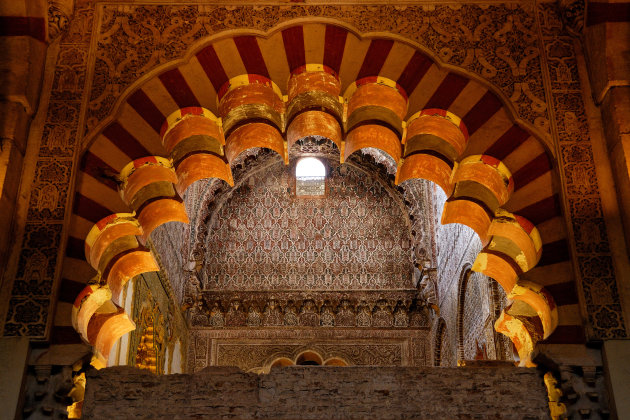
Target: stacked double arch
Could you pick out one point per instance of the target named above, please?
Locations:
(253, 113)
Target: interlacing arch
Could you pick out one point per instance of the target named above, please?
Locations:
(252, 112)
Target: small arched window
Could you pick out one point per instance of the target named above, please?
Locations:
(310, 177)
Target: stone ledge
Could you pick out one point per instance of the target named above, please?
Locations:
(318, 393)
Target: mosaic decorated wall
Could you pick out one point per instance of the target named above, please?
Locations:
(331, 275)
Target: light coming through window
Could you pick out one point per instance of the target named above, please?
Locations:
(310, 177)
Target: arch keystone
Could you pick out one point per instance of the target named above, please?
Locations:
(498, 267)
(106, 231)
(434, 140)
(523, 328)
(113, 249)
(105, 329)
(436, 130)
(517, 237)
(540, 300)
(92, 298)
(470, 213)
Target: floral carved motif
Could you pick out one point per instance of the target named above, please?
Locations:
(258, 347)
(34, 282)
(594, 257)
(401, 309)
(251, 356)
(515, 47)
(498, 42)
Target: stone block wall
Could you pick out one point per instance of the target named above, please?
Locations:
(499, 392)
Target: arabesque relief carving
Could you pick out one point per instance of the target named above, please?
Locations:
(594, 256)
(400, 309)
(258, 356)
(257, 347)
(498, 42)
(354, 238)
(208, 198)
(30, 306)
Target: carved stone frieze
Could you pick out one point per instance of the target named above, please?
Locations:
(47, 391)
(260, 356)
(33, 287)
(399, 309)
(584, 392)
(257, 348)
(572, 14)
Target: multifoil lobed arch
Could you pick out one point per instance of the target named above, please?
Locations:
(191, 119)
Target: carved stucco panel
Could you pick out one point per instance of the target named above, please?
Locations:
(254, 348)
(133, 39)
(497, 42)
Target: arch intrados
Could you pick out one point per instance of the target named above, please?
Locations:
(282, 362)
(197, 46)
(303, 356)
(309, 356)
(438, 341)
(335, 361)
(464, 278)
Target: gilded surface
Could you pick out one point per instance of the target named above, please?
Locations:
(159, 325)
